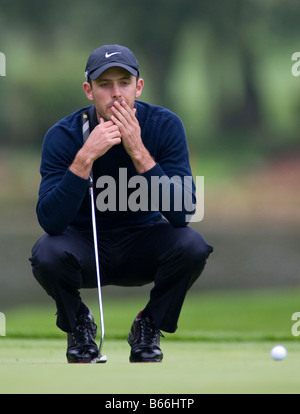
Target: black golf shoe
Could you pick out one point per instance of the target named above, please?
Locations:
(81, 345)
(144, 340)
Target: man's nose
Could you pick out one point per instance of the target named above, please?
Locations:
(116, 92)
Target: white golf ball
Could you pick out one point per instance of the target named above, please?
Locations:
(278, 353)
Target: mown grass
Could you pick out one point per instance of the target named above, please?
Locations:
(38, 366)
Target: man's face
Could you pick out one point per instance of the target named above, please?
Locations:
(115, 84)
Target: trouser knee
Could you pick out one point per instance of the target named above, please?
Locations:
(52, 263)
(195, 251)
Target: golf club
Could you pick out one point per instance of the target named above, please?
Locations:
(86, 132)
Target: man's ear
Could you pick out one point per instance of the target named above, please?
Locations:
(88, 91)
(139, 88)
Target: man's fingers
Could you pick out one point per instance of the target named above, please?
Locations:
(118, 114)
(116, 121)
(123, 111)
(108, 127)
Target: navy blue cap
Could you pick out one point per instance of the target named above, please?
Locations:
(109, 56)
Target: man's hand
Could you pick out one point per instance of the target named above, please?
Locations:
(102, 138)
(124, 118)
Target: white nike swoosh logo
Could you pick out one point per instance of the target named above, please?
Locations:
(108, 55)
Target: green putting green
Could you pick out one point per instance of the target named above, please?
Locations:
(35, 366)
(222, 345)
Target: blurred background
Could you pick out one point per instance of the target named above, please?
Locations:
(225, 67)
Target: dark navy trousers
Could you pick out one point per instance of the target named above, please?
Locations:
(173, 258)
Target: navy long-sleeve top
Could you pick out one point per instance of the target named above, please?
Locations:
(64, 196)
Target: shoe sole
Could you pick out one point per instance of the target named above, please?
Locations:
(82, 360)
(145, 361)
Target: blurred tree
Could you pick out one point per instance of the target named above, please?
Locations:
(47, 44)
(156, 32)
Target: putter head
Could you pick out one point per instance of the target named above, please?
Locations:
(100, 360)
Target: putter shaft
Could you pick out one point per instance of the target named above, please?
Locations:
(94, 224)
(85, 134)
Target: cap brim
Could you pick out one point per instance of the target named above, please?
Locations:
(94, 75)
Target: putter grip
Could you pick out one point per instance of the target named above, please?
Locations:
(85, 126)
(85, 135)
